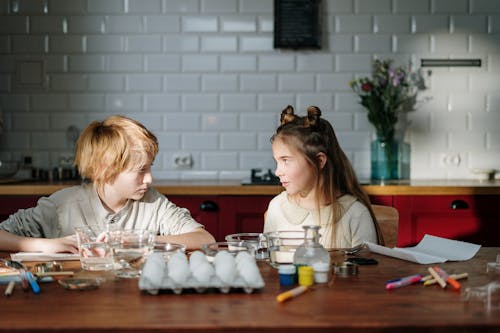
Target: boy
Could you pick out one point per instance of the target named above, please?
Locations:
(114, 157)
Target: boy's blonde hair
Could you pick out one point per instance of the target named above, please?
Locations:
(107, 148)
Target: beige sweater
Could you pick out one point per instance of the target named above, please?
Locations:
(354, 227)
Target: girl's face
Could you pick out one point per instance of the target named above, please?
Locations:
(132, 184)
(295, 174)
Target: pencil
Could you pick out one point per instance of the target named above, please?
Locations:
(460, 276)
(436, 276)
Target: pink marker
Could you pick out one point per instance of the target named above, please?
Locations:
(403, 282)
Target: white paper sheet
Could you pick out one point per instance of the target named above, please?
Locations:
(38, 256)
(430, 250)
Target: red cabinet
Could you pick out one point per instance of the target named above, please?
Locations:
(242, 214)
(384, 200)
(224, 215)
(470, 218)
(204, 209)
(11, 204)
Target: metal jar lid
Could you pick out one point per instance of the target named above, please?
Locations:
(346, 269)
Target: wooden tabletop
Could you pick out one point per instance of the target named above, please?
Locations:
(347, 304)
(233, 187)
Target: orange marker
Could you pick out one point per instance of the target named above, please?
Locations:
(454, 283)
(291, 293)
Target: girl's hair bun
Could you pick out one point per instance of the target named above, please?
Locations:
(313, 116)
(287, 115)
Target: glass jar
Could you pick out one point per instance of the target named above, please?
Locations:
(311, 251)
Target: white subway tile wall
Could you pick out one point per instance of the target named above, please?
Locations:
(204, 76)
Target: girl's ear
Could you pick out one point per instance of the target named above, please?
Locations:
(322, 158)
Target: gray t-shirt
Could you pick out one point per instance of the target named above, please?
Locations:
(58, 215)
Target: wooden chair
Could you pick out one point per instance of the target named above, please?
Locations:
(388, 220)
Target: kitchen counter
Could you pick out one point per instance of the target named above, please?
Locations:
(197, 187)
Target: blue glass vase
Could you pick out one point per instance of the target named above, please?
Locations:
(390, 159)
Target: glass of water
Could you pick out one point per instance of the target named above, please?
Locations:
(94, 247)
(130, 250)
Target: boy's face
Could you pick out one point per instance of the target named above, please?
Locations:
(292, 168)
(133, 184)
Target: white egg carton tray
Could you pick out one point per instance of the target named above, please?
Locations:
(155, 278)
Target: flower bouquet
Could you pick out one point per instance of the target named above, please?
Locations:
(390, 92)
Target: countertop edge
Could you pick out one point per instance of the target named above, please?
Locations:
(233, 188)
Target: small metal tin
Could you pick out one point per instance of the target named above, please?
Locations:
(345, 269)
(49, 266)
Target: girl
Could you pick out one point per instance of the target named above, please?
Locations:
(320, 184)
(114, 157)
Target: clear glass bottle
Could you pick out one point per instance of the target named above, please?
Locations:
(311, 251)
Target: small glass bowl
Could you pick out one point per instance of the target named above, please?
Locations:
(254, 239)
(282, 246)
(233, 248)
(168, 249)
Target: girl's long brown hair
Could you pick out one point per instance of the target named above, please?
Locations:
(311, 135)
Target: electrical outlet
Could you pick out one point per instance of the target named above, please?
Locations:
(450, 160)
(183, 161)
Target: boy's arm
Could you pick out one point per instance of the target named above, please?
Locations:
(12, 242)
(192, 240)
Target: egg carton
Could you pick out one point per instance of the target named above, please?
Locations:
(155, 277)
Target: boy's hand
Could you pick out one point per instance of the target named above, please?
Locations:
(56, 245)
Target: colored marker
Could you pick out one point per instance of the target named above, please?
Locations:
(32, 281)
(291, 293)
(403, 282)
(442, 273)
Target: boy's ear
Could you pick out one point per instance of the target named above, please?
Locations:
(321, 159)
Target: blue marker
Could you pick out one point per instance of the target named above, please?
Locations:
(32, 281)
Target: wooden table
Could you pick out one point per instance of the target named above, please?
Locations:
(349, 304)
